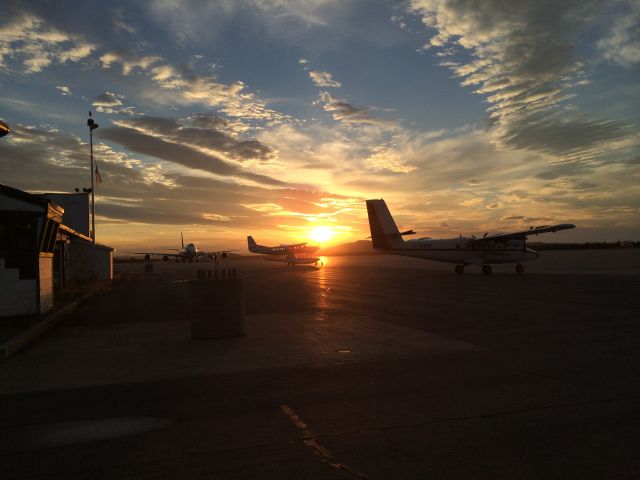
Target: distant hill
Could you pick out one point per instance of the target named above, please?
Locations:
(361, 247)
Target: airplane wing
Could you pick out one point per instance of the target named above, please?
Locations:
(500, 237)
(217, 252)
(158, 253)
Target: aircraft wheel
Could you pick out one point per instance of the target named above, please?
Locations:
(519, 268)
(459, 269)
(486, 269)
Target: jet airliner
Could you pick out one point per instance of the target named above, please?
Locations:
(485, 251)
(189, 253)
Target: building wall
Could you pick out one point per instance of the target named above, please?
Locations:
(45, 277)
(89, 262)
(17, 297)
(76, 210)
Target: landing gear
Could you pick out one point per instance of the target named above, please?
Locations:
(519, 268)
(459, 269)
(486, 269)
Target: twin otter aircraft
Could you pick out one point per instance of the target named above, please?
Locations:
(294, 254)
(493, 249)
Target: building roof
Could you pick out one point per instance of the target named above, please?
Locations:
(72, 233)
(30, 198)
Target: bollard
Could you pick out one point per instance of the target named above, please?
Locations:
(217, 308)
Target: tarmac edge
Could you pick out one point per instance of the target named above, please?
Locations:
(12, 346)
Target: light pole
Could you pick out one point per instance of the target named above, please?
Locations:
(92, 126)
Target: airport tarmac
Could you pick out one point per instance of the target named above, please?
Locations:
(370, 367)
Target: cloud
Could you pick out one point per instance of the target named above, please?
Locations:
(64, 89)
(128, 62)
(62, 163)
(211, 134)
(472, 202)
(181, 154)
(523, 60)
(108, 99)
(389, 159)
(343, 111)
(134, 191)
(570, 137)
(192, 20)
(323, 79)
(27, 39)
(108, 102)
(622, 44)
(183, 86)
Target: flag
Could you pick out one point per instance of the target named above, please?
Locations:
(98, 177)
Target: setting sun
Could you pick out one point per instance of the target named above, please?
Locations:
(321, 234)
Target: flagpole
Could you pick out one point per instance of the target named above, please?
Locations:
(92, 126)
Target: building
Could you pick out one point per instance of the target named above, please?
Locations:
(40, 255)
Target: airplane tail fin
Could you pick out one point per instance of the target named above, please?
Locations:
(182, 240)
(384, 232)
(253, 246)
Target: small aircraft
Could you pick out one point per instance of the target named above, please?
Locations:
(492, 249)
(294, 254)
(189, 253)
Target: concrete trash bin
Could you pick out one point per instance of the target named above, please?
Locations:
(217, 308)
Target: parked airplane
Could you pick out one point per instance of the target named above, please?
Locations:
(189, 253)
(492, 249)
(292, 254)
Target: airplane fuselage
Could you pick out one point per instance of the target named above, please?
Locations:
(190, 251)
(465, 250)
(291, 254)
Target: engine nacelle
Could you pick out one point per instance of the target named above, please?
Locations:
(165, 258)
(147, 258)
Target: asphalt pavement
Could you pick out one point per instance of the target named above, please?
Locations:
(370, 367)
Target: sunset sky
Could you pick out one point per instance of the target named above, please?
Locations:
(273, 118)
